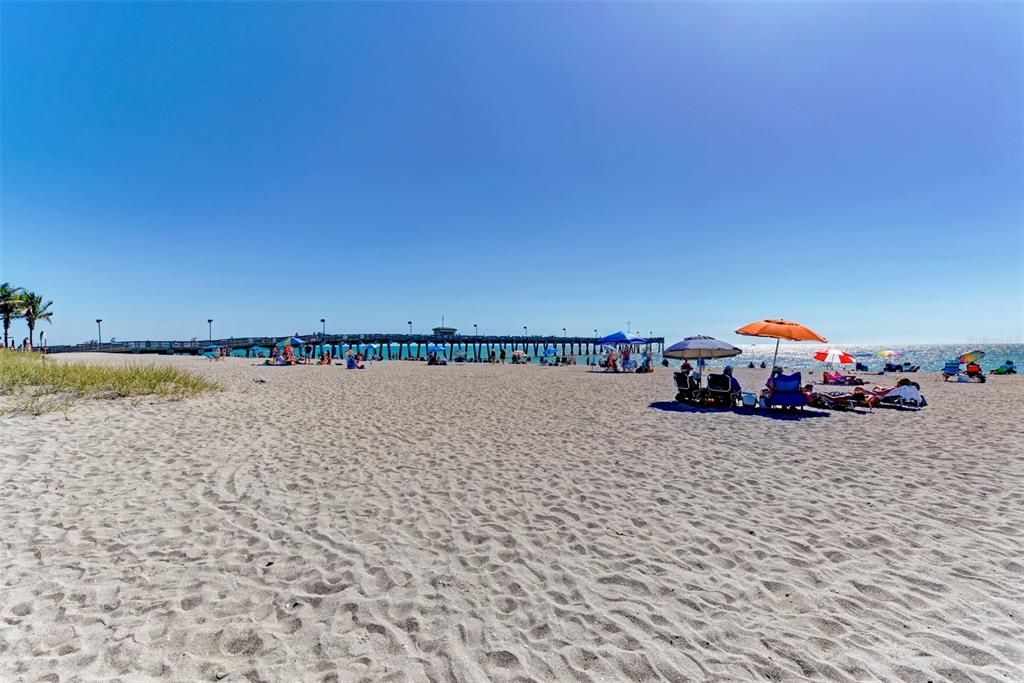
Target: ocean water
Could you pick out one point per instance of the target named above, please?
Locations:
(930, 357)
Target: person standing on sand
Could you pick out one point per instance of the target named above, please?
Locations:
(502, 356)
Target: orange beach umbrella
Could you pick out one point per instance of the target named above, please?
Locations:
(778, 330)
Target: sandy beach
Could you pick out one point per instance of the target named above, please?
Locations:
(480, 522)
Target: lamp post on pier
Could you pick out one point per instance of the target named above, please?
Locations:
(209, 322)
(410, 327)
(323, 328)
(99, 332)
(476, 332)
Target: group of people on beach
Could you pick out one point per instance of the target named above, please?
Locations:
(286, 356)
(624, 362)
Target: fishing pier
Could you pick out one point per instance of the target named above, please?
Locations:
(390, 346)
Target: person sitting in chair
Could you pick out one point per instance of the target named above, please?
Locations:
(734, 385)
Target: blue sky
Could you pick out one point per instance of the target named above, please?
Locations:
(686, 167)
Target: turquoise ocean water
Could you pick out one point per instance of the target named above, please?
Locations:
(929, 356)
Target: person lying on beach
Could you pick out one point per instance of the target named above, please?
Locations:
(904, 382)
(838, 378)
(905, 391)
(835, 400)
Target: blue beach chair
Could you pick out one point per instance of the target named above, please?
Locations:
(786, 392)
(951, 368)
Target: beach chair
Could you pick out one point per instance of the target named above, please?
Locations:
(786, 392)
(719, 391)
(951, 368)
(687, 389)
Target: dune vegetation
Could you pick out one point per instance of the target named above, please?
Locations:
(33, 383)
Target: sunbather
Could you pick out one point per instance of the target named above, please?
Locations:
(838, 400)
(1007, 368)
(906, 394)
(840, 379)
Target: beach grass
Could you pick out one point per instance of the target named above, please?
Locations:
(32, 383)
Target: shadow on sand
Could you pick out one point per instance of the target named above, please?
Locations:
(673, 407)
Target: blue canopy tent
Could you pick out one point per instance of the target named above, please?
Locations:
(620, 337)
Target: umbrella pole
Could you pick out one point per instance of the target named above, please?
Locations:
(776, 356)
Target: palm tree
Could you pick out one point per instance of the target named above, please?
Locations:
(10, 306)
(34, 309)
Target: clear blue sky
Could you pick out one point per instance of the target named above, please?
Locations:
(688, 167)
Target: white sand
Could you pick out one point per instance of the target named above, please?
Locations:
(508, 523)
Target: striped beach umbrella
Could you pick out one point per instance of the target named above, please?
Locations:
(837, 356)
